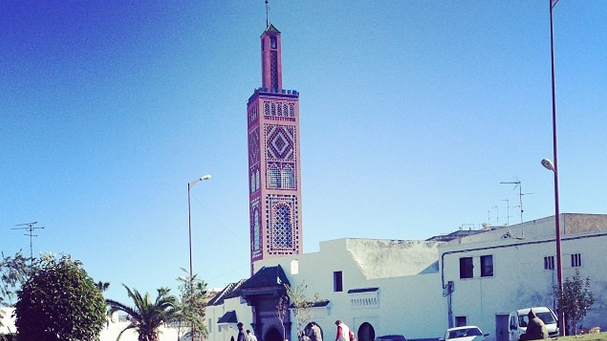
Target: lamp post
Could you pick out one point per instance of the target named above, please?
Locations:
(557, 225)
(553, 166)
(190, 185)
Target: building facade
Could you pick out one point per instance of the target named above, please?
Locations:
(274, 161)
(420, 288)
(490, 274)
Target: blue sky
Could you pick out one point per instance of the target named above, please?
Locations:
(412, 113)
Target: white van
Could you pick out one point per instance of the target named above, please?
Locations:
(518, 321)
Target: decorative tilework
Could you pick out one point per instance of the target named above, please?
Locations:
(274, 69)
(256, 236)
(280, 142)
(254, 179)
(279, 109)
(253, 113)
(282, 221)
(254, 153)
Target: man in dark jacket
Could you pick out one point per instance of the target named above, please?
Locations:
(241, 335)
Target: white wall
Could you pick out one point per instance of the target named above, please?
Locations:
(402, 299)
(225, 332)
(519, 279)
(410, 289)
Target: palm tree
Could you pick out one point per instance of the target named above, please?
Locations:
(102, 286)
(146, 316)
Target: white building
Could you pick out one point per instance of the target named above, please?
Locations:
(507, 268)
(382, 287)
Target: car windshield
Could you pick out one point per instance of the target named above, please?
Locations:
(547, 317)
(454, 334)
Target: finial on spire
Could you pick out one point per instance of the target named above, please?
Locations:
(267, 13)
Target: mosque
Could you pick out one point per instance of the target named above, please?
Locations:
(415, 288)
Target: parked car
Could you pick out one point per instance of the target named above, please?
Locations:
(391, 338)
(465, 333)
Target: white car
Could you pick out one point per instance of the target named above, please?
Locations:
(465, 333)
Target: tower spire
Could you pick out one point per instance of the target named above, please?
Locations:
(274, 159)
(267, 13)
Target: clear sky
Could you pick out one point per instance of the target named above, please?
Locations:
(412, 113)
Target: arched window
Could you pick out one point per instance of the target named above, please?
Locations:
(282, 226)
(288, 179)
(274, 177)
(257, 179)
(256, 231)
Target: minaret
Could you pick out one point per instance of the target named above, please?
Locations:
(274, 164)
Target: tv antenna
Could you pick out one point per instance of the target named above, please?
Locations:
(507, 211)
(520, 193)
(29, 228)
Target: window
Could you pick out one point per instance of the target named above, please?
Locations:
(273, 42)
(338, 285)
(274, 177)
(282, 226)
(576, 260)
(487, 266)
(288, 180)
(549, 263)
(460, 321)
(465, 267)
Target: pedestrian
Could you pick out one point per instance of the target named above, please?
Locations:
(315, 334)
(251, 336)
(241, 335)
(343, 332)
(536, 328)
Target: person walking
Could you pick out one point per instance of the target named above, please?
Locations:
(315, 334)
(241, 335)
(343, 332)
(251, 336)
(536, 329)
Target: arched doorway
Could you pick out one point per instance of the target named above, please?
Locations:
(273, 335)
(366, 332)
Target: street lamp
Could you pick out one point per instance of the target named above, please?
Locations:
(553, 166)
(190, 185)
(559, 267)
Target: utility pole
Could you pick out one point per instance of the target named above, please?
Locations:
(29, 228)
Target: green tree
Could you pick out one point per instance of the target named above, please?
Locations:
(59, 301)
(193, 300)
(301, 305)
(102, 286)
(13, 272)
(146, 316)
(295, 300)
(575, 299)
(282, 311)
